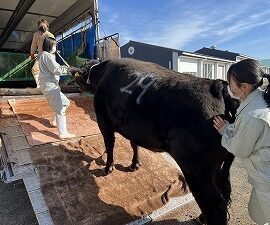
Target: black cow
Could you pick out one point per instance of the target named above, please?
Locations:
(162, 110)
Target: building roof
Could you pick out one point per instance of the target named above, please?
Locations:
(153, 46)
(180, 52)
(221, 53)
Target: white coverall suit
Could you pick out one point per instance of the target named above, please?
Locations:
(50, 71)
(36, 45)
(249, 139)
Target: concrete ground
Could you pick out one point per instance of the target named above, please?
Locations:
(15, 206)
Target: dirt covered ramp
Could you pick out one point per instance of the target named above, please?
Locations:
(70, 173)
(77, 192)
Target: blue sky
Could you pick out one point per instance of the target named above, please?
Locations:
(241, 26)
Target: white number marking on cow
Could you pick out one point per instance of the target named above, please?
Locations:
(144, 86)
(140, 83)
(125, 89)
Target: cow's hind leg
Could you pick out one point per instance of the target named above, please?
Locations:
(135, 165)
(199, 174)
(223, 178)
(223, 183)
(209, 199)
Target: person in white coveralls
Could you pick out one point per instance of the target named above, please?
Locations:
(50, 72)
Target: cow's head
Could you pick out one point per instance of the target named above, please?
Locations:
(84, 77)
(220, 90)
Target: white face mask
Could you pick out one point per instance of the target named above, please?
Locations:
(232, 95)
(53, 49)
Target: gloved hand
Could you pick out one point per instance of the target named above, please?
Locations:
(74, 70)
(32, 56)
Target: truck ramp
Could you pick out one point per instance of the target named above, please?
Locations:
(65, 180)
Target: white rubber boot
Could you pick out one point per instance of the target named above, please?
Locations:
(61, 122)
(36, 79)
(53, 122)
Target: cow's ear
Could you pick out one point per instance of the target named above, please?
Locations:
(231, 104)
(216, 88)
(224, 82)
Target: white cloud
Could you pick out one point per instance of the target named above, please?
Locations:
(181, 22)
(176, 35)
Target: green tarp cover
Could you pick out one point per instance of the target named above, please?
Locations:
(15, 66)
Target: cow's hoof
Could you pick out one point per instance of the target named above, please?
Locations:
(165, 198)
(166, 194)
(134, 167)
(107, 171)
(200, 220)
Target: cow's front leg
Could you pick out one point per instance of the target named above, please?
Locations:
(109, 145)
(135, 165)
(107, 132)
(109, 138)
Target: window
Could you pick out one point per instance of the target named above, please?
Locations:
(221, 72)
(208, 70)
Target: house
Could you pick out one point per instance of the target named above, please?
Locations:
(205, 62)
(197, 64)
(213, 51)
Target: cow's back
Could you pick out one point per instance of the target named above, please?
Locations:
(146, 101)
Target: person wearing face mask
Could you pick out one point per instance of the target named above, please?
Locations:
(50, 71)
(37, 43)
(249, 136)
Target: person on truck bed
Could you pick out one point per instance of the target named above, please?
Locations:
(37, 43)
(50, 72)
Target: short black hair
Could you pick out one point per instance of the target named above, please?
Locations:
(48, 43)
(43, 21)
(247, 71)
(250, 71)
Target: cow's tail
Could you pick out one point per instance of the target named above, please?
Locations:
(224, 178)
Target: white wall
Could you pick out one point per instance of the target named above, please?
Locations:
(187, 65)
(196, 66)
(220, 71)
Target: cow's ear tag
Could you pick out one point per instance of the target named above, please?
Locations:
(77, 74)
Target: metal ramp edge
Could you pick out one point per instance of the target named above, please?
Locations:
(33, 189)
(170, 206)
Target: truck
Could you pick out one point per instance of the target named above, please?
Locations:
(64, 179)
